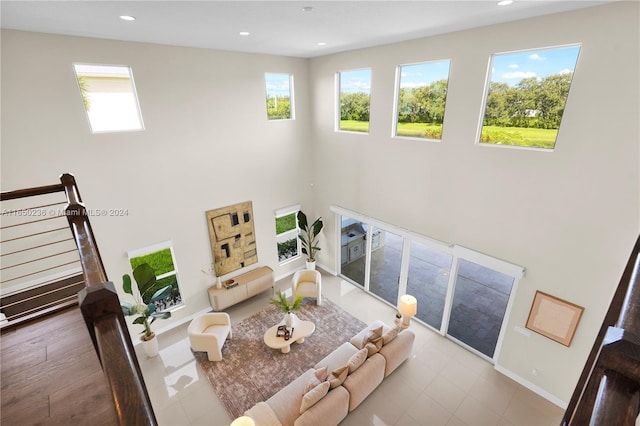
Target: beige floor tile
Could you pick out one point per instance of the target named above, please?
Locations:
(443, 391)
(455, 421)
(494, 396)
(460, 374)
(473, 412)
(428, 411)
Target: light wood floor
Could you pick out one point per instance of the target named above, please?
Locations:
(51, 375)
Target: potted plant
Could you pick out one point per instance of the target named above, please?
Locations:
(148, 292)
(282, 302)
(309, 237)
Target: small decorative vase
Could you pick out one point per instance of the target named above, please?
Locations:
(150, 345)
(218, 282)
(311, 265)
(289, 319)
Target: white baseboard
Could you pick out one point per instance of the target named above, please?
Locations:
(532, 387)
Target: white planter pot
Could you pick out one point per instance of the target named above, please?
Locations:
(311, 265)
(290, 320)
(150, 346)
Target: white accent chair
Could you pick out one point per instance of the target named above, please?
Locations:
(307, 283)
(208, 332)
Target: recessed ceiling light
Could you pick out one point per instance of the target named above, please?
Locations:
(127, 18)
(244, 33)
(307, 9)
(322, 43)
(504, 2)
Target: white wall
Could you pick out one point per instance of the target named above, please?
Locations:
(570, 217)
(207, 144)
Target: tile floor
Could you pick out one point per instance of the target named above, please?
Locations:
(440, 384)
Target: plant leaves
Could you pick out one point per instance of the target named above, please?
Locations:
(163, 293)
(126, 284)
(139, 320)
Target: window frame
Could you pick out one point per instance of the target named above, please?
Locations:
(487, 88)
(155, 248)
(286, 236)
(396, 106)
(338, 101)
(292, 114)
(134, 92)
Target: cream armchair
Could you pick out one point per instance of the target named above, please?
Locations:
(208, 332)
(307, 283)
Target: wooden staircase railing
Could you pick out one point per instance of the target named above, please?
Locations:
(608, 390)
(102, 313)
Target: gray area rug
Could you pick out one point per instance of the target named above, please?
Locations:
(251, 372)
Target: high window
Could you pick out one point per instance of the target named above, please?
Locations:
(162, 260)
(354, 96)
(109, 97)
(526, 97)
(287, 233)
(421, 99)
(279, 99)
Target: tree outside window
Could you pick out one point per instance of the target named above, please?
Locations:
(279, 99)
(355, 99)
(287, 233)
(526, 97)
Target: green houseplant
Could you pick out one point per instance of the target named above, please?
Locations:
(282, 302)
(148, 292)
(309, 237)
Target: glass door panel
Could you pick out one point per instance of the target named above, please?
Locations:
(353, 249)
(428, 280)
(386, 258)
(479, 304)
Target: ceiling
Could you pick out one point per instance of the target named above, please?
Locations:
(275, 27)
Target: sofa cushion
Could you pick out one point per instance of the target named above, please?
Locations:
(361, 339)
(357, 360)
(397, 351)
(337, 376)
(263, 415)
(369, 336)
(313, 396)
(365, 380)
(338, 358)
(389, 335)
(286, 402)
(319, 376)
(374, 346)
(330, 410)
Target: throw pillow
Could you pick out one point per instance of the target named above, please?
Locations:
(319, 376)
(390, 335)
(313, 396)
(357, 360)
(338, 376)
(371, 335)
(374, 346)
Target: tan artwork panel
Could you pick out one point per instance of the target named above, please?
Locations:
(232, 236)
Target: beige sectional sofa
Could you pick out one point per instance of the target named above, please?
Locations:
(350, 373)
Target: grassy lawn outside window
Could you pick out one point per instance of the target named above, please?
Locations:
(354, 95)
(287, 234)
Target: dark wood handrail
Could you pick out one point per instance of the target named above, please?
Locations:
(101, 311)
(608, 390)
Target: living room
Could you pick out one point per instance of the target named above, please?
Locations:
(568, 216)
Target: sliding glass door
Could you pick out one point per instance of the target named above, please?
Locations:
(428, 281)
(479, 305)
(353, 254)
(462, 294)
(386, 258)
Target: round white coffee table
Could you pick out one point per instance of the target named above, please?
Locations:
(301, 329)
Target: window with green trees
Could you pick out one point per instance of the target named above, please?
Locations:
(354, 97)
(162, 260)
(287, 233)
(526, 96)
(422, 95)
(279, 98)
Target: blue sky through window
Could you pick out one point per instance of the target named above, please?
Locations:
(278, 85)
(512, 67)
(355, 81)
(418, 75)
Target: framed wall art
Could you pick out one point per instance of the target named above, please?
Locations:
(554, 318)
(232, 235)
